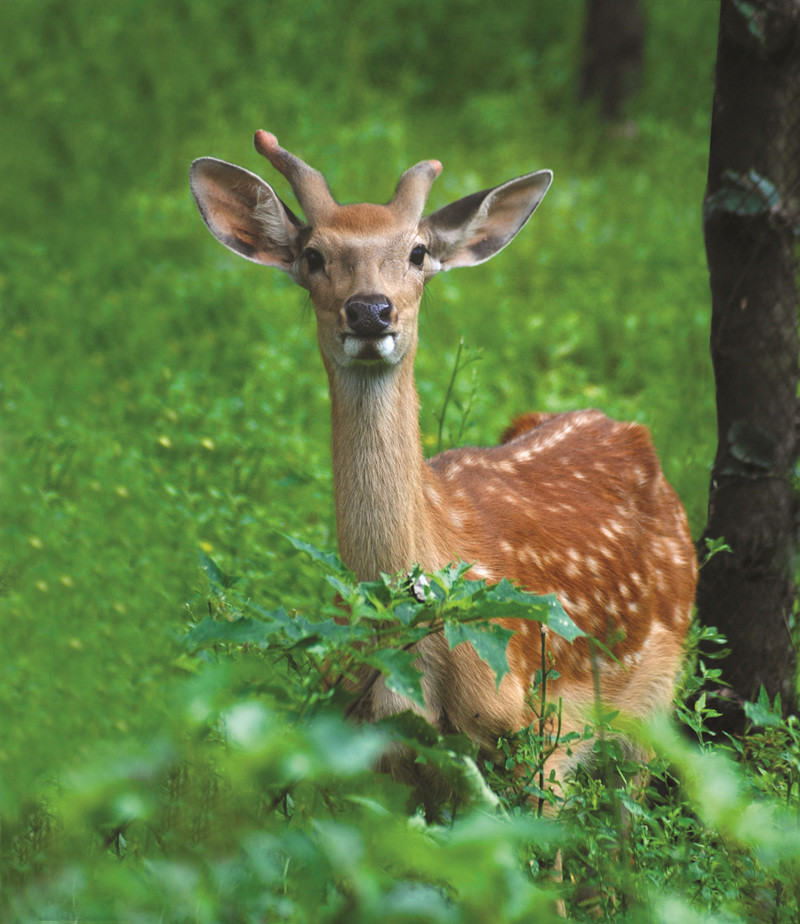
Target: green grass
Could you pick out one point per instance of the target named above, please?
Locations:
(160, 396)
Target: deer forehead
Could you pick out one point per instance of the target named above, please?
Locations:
(361, 226)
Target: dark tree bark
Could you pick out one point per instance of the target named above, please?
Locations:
(613, 47)
(750, 222)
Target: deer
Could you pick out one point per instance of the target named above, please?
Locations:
(573, 504)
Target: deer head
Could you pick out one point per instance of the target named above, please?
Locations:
(364, 265)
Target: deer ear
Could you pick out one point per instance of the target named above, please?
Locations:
(475, 228)
(244, 213)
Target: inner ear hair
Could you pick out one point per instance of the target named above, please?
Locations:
(275, 218)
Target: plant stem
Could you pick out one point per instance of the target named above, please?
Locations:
(542, 718)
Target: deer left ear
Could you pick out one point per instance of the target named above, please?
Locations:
(244, 213)
(475, 228)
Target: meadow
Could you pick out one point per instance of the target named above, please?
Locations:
(166, 469)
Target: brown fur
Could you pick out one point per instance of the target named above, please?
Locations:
(523, 423)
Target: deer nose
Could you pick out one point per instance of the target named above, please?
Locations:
(368, 315)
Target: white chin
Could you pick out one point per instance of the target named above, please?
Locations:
(354, 347)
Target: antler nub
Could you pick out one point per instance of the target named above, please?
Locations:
(414, 187)
(314, 196)
(267, 145)
(308, 185)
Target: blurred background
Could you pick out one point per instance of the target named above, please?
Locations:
(161, 396)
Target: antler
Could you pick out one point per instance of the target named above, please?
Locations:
(413, 189)
(314, 196)
(308, 185)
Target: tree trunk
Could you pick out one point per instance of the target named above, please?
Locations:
(750, 223)
(613, 46)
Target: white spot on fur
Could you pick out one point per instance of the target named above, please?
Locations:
(593, 565)
(529, 555)
(456, 519)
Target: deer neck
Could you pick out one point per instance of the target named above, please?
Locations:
(378, 470)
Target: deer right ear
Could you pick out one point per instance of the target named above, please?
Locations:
(244, 213)
(475, 228)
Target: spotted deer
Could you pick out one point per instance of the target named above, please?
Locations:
(574, 504)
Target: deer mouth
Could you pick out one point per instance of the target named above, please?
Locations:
(371, 349)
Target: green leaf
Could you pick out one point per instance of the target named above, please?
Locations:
(413, 728)
(560, 622)
(506, 592)
(452, 575)
(400, 672)
(271, 628)
(763, 713)
(633, 806)
(511, 603)
(489, 640)
(344, 590)
(452, 755)
(408, 611)
(464, 777)
(239, 632)
(217, 578)
(341, 748)
(299, 629)
(714, 547)
(329, 561)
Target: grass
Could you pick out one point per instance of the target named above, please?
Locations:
(160, 397)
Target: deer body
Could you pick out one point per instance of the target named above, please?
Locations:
(573, 504)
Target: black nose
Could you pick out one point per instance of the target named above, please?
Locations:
(368, 315)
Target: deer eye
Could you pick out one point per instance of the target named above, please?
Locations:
(314, 259)
(417, 256)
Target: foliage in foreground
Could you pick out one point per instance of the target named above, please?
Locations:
(156, 396)
(260, 804)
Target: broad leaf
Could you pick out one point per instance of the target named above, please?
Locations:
(464, 777)
(453, 756)
(413, 728)
(328, 560)
(763, 713)
(508, 602)
(239, 632)
(560, 622)
(400, 673)
(489, 640)
(218, 579)
(343, 589)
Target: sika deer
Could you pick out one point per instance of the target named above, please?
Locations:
(574, 504)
